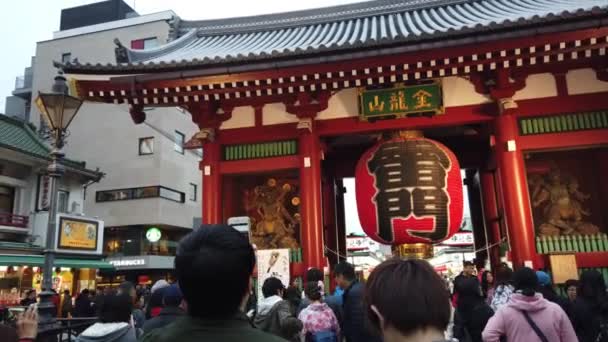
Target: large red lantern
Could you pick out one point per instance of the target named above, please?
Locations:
(409, 190)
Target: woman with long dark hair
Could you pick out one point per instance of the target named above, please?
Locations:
(472, 312)
(487, 285)
(590, 311)
(502, 288)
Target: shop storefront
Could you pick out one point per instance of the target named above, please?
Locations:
(141, 269)
(20, 273)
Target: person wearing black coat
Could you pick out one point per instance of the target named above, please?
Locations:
(472, 312)
(590, 309)
(83, 306)
(355, 325)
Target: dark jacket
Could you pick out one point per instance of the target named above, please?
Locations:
(469, 325)
(167, 315)
(355, 326)
(66, 306)
(84, 307)
(108, 332)
(276, 317)
(586, 318)
(189, 329)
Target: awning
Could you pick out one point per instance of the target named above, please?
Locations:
(38, 260)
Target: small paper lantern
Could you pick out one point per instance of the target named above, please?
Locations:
(409, 190)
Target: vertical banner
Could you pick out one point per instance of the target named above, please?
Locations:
(272, 263)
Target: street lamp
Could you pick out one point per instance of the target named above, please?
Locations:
(58, 109)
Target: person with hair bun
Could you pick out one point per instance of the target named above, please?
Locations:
(320, 323)
(528, 316)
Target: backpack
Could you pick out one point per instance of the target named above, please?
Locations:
(322, 336)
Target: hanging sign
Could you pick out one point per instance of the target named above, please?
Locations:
(272, 263)
(409, 191)
(77, 234)
(401, 101)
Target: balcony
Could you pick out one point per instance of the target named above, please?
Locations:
(14, 222)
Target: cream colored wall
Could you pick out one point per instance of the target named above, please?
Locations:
(459, 91)
(274, 114)
(241, 117)
(341, 105)
(584, 81)
(537, 86)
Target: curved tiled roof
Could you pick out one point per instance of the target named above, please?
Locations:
(342, 28)
(19, 136)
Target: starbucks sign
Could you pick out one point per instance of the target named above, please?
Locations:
(153, 234)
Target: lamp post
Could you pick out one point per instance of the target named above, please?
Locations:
(58, 109)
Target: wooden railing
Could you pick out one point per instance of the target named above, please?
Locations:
(572, 243)
(13, 220)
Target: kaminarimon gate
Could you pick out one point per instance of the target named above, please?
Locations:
(288, 103)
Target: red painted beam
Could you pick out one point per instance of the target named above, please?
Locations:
(259, 165)
(463, 115)
(592, 260)
(562, 104)
(563, 140)
(259, 134)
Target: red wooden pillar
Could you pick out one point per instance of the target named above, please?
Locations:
(311, 205)
(491, 217)
(210, 165)
(514, 187)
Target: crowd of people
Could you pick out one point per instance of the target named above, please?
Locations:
(402, 301)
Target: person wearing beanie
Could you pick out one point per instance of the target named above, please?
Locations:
(528, 316)
(171, 310)
(546, 289)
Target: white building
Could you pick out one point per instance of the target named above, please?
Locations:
(150, 180)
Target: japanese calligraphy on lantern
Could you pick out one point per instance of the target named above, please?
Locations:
(401, 101)
(409, 191)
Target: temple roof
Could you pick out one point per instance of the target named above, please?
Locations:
(20, 137)
(354, 30)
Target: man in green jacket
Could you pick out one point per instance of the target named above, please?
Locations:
(213, 265)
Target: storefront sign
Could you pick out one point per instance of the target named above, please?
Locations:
(460, 239)
(126, 263)
(272, 263)
(409, 190)
(401, 101)
(79, 234)
(42, 196)
(153, 234)
(357, 243)
(143, 262)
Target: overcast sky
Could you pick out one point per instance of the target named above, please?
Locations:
(25, 22)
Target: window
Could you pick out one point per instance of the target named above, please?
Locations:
(193, 192)
(146, 146)
(140, 193)
(63, 198)
(142, 44)
(179, 142)
(66, 57)
(7, 199)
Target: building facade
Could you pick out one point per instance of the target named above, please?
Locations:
(279, 102)
(24, 202)
(150, 180)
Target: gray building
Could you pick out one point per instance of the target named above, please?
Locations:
(150, 180)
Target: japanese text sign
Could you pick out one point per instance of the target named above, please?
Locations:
(401, 101)
(409, 191)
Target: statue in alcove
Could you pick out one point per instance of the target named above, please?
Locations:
(561, 203)
(274, 226)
